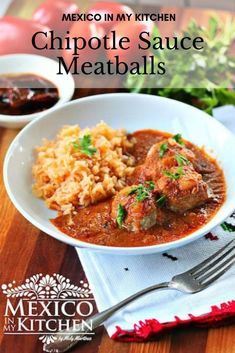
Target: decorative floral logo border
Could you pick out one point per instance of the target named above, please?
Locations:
(47, 287)
(39, 287)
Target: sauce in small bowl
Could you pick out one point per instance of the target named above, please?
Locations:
(29, 86)
(26, 94)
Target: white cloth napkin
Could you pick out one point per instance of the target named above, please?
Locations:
(113, 278)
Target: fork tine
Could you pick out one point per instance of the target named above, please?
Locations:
(214, 270)
(209, 259)
(218, 275)
(212, 264)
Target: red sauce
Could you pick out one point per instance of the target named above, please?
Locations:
(26, 94)
(93, 224)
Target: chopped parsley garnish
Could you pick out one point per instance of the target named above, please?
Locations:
(174, 176)
(121, 214)
(85, 146)
(161, 200)
(151, 184)
(178, 138)
(134, 189)
(163, 149)
(181, 160)
(142, 192)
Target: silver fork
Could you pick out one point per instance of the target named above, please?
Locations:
(192, 281)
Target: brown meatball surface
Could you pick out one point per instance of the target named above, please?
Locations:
(134, 208)
(164, 155)
(183, 188)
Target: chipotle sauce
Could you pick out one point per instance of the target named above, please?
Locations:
(26, 94)
(93, 224)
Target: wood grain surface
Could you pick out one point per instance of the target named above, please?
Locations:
(25, 251)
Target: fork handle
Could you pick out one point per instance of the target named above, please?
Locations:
(65, 341)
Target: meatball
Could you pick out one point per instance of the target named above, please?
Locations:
(134, 208)
(164, 155)
(183, 188)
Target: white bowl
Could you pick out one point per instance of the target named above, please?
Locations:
(38, 65)
(134, 112)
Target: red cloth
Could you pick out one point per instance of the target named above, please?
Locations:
(151, 328)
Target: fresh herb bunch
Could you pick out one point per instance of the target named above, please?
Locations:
(218, 82)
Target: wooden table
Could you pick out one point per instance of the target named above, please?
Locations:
(25, 251)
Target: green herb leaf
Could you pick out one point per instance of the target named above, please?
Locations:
(151, 185)
(134, 189)
(178, 138)
(213, 27)
(174, 176)
(161, 201)
(121, 215)
(181, 160)
(228, 227)
(85, 146)
(142, 195)
(76, 145)
(142, 192)
(163, 149)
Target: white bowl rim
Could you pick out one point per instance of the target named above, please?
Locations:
(28, 117)
(138, 250)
